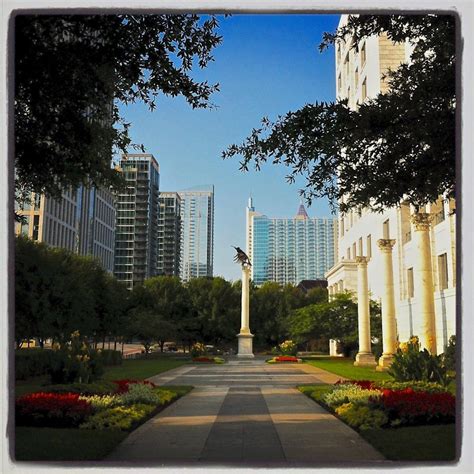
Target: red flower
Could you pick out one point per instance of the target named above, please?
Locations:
(203, 359)
(286, 359)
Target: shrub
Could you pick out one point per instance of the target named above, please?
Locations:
(51, 409)
(417, 386)
(349, 393)
(110, 357)
(361, 416)
(140, 393)
(410, 363)
(123, 384)
(102, 387)
(449, 356)
(32, 362)
(410, 407)
(198, 349)
(165, 396)
(288, 348)
(118, 418)
(365, 384)
(348, 347)
(101, 402)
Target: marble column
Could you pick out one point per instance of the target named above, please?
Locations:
(389, 322)
(423, 281)
(364, 357)
(245, 337)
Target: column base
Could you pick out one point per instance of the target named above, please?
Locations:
(365, 359)
(245, 346)
(385, 361)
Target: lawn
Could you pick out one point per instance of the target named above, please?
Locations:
(415, 443)
(138, 369)
(345, 368)
(65, 444)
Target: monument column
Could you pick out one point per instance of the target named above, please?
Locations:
(364, 357)
(245, 337)
(389, 323)
(423, 280)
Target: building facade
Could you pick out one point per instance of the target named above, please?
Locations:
(82, 221)
(136, 235)
(289, 250)
(360, 75)
(169, 234)
(197, 232)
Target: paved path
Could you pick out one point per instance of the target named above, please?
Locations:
(245, 413)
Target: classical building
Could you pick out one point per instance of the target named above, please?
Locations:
(197, 232)
(136, 235)
(169, 234)
(82, 221)
(289, 250)
(409, 257)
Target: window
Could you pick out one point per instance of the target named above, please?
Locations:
(356, 79)
(386, 229)
(410, 286)
(339, 83)
(35, 227)
(443, 271)
(363, 55)
(361, 249)
(354, 250)
(369, 246)
(348, 253)
(364, 89)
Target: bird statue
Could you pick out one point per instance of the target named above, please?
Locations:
(241, 257)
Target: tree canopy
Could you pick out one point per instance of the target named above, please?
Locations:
(71, 73)
(397, 146)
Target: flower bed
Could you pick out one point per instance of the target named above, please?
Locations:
(284, 359)
(123, 385)
(208, 360)
(365, 404)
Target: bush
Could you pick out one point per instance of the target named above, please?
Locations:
(349, 393)
(408, 407)
(417, 386)
(361, 416)
(110, 357)
(288, 348)
(198, 349)
(118, 418)
(102, 387)
(410, 363)
(165, 396)
(140, 393)
(449, 356)
(122, 385)
(349, 347)
(32, 362)
(51, 409)
(101, 402)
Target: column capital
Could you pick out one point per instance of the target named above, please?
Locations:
(361, 260)
(386, 245)
(421, 220)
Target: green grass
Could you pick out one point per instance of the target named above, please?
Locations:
(141, 368)
(65, 444)
(414, 443)
(345, 368)
(320, 390)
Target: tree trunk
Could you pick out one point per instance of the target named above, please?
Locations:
(162, 346)
(115, 344)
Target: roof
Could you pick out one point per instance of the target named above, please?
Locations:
(301, 214)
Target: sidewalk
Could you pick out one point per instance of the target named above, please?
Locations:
(245, 414)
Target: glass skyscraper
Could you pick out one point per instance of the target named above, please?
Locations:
(169, 234)
(289, 250)
(136, 235)
(197, 232)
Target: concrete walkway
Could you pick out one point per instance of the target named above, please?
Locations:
(245, 413)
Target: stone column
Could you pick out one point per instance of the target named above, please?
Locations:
(423, 281)
(389, 322)
(245, 337)
(364, 357)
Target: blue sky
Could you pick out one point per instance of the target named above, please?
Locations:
(266, 65)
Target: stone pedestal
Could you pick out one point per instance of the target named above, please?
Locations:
(423, 280)
(245, 338)
(364, 357)
(389, 322)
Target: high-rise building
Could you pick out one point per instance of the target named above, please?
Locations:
(169, 234)
(361, 75)
(197, 232)
(136, 235)
(289, 250)
(82, 221)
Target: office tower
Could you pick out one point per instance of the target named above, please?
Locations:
(82, 221)
(197, 232)
(360, 75)
(169, 234)
(136, 234)
(289, 250)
